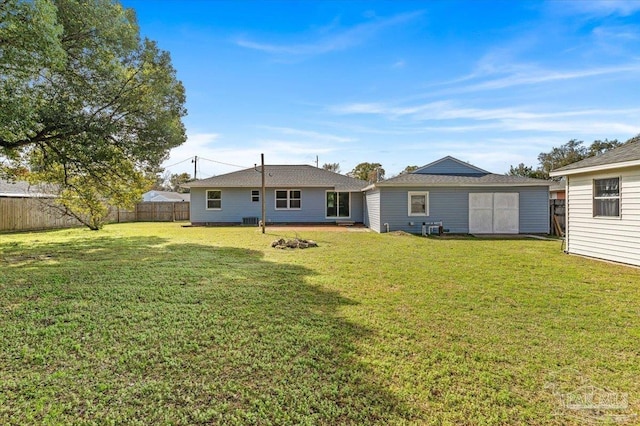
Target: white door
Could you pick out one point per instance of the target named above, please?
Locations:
(481, 213)
(494, 213)
(506, 213)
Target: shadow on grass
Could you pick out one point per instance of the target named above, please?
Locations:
(141, 330)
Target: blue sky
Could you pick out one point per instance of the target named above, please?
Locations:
(401, 83)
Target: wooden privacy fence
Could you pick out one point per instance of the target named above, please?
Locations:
(29, 213)
(26, 214)
(557, 217)
(160, 212)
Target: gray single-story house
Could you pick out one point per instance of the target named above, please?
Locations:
(293, 194)
(463, 197)
(165, 196)
(23, 189)
(603, 205)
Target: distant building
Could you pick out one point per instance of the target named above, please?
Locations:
(165, 196)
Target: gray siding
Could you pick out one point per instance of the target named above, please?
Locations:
(451, 206)
(447, 167)
(236, 204)
(534, 210)
(372, 212)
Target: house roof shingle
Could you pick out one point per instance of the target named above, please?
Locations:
(622, 154)
(281, 176)
(22, 189)
(489, 179)
(154, 195)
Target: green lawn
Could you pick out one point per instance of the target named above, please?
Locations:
(159, 324)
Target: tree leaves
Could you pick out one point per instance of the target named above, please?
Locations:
(571, 152)
(106, 109)
(371, 172)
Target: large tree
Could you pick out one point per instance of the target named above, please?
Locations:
(178, 179)
(525, 171)
(371, 172)
(409, 169)
(332, 167)
(97, 117)
(561, 156)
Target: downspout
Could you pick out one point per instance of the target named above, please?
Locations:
(566, 215)
(386, 225)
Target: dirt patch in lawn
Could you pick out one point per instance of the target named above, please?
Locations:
(331, 228)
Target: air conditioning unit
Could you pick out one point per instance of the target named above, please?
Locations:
(250, 220)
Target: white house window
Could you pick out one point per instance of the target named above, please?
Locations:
(214, 199)
(606, 197)
(418, 203)
(338, 204)
(255, 196)
(288, 199)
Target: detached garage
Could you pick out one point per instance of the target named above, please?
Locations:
(465, 198)
(603, 205)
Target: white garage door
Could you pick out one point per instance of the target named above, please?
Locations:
(494, 213)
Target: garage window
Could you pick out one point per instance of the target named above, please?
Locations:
(418, 203)
(606, 197)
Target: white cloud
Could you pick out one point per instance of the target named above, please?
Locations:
(218, 155)
(450, 110)
(598, 7)
(537, 76)
(330, 39)
(285, 147)
(315, 136)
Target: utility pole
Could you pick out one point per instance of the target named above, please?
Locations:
(195, 167)
(264, 206)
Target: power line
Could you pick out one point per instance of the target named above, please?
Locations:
(179, 162)
(226, 164)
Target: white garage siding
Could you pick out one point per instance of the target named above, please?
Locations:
(609, 238)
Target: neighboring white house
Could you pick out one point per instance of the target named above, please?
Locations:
(165, 196)
(603, 205)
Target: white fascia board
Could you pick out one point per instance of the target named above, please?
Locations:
(456, 185)
(602, 167)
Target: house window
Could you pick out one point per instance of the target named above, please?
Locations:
(255, 196)
(214, 199)
(606, 197)
(288, 199)
(338, 204)
(418, 203)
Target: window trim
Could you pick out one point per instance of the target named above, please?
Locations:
(337, 206)
(618, 197)
(207, 199)
(289, 199)
(257, 195)
(426, 202)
